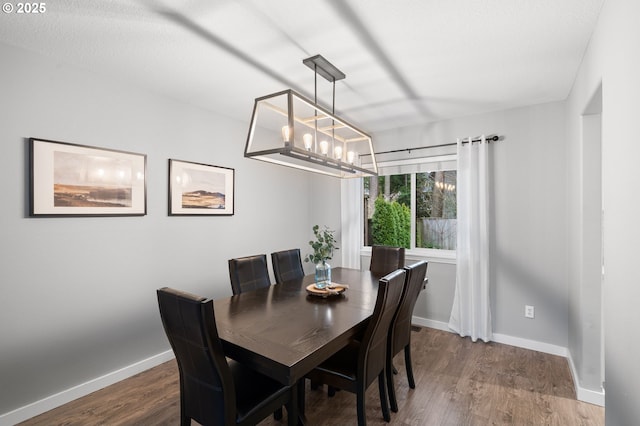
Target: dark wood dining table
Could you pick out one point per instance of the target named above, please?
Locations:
(284, 332)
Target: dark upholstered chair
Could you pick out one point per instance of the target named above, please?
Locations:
(248, 273)
(213, 391)
(386, 259)
(357, 365)
(287, 265)
(400, 330)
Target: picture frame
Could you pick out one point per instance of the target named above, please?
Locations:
(197, 189)
(79, 180)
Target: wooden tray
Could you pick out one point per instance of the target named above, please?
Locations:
(333, 290)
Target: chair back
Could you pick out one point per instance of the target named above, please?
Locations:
(287, 265)
(373, 348)
(386, 259)
(248, 273)
(400, 330)
(207, 392)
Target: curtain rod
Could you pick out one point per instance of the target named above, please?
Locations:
(491, 138)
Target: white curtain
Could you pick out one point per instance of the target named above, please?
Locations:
(350, 222)
(471, 312)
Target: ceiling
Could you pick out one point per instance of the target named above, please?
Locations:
(407, 62)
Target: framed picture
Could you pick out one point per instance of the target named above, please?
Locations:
(200, 189)
(78, 180)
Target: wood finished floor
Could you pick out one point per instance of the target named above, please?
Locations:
(457, 383)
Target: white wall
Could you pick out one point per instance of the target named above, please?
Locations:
(529, 222)
(78, 294)
(585, 244)
(613, 60)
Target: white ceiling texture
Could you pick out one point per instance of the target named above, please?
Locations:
(407, 62)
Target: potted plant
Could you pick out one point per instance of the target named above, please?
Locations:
(323, 247)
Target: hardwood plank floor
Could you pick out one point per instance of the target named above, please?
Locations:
(457, 383)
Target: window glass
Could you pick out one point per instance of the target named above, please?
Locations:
(387, 210)
(436, 210)
(389, 215)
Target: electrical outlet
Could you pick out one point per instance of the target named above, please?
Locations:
(529, 311)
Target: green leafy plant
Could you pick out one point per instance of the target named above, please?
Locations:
(391, 223)
(323, 246)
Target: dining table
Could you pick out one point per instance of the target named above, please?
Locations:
(284, 332)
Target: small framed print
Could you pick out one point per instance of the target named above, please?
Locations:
(79, 180)
(200, 189)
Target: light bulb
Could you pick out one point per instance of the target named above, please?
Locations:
(351, 156)
(286, 133)
(324, 147)
(308, 141)
(337, 151)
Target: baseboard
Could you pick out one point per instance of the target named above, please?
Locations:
(83, 389)
(582, 394)
(424, 322)
(534, 345)
(499, 338)
(590, 396)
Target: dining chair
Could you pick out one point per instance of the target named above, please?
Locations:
(287, 265)
(386, 259)
(357, 365)
(248, 273)
(400, 329)
(214, 390)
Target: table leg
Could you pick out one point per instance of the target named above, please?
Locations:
(293, 409)
(302, 419)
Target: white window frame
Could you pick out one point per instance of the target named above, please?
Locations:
(414, 253)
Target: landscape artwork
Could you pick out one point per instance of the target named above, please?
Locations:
(200, 189)
(77, 180)
(91, 181)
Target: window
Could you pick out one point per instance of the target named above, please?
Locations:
(413, 210)
(435, 214)
(387, 203)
